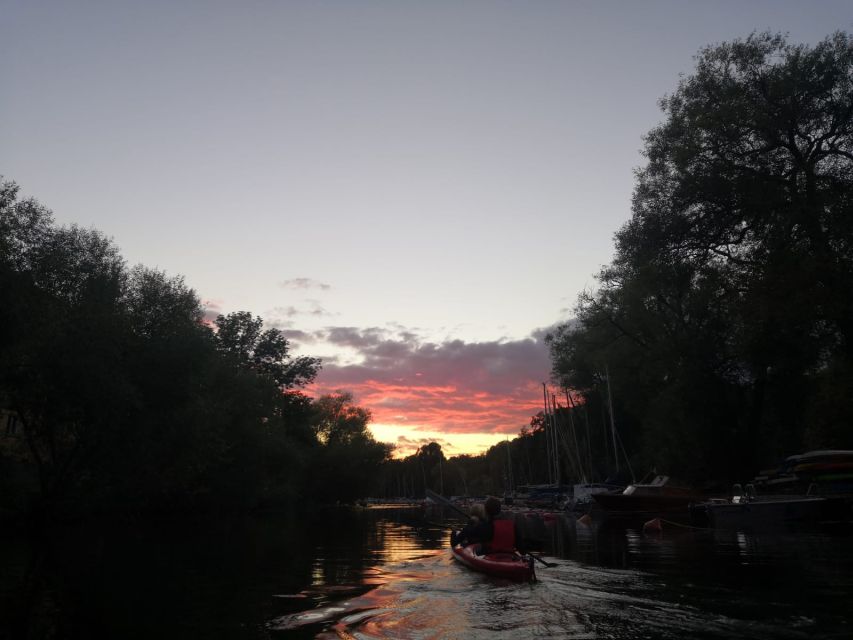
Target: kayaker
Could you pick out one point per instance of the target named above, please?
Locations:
(503, 538)
(482, 527)
(478, 529)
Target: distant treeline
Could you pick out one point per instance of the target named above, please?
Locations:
(506, 466)
(725, 318)
(118, 396)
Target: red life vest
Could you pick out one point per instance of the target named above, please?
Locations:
(503, 539)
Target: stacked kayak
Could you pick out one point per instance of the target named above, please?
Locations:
(501, 565)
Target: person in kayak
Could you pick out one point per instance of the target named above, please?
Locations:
(478, 529)
(504, 539)
(487, 529)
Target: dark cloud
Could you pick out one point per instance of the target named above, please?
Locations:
(354, 337)
(422, 441)
(407, 446)
(544, 332)
(454, 386)
(297, 336)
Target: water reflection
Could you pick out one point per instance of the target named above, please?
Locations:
(614, 581)
(386, 573)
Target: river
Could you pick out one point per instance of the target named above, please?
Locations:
(387, 573)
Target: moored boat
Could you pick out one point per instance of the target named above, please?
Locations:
(502, 564)
(656, 496)
(830, 469)
(582, 494)
(544, 496)
(746, 510)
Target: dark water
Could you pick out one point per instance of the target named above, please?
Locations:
(385, 573)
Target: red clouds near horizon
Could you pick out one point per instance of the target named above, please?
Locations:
(449, 387)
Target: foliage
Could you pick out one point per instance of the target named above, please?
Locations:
(349, 454)
(129, 400)
(726, 315)
(242, 337)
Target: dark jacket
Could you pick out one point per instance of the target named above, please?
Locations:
(477, 531)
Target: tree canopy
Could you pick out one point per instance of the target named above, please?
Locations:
(129, 399)
(726, 315)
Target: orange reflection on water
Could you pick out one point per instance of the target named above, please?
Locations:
(396, 543)
(382, 598)
(387, 615)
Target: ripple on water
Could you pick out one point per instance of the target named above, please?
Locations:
(433, 597)
(657, 593)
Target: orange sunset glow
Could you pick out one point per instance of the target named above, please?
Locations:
(465, 396)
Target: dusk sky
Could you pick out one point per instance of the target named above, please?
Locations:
(413, 191)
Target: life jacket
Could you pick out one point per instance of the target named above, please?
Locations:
(503, 540)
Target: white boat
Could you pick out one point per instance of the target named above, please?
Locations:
(582, 494)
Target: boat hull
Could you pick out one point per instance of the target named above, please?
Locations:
(772, 512)
(621, 503)
(501, 565)
(582, 494)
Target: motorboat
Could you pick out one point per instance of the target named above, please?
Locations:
(657, 496)
(582, 494)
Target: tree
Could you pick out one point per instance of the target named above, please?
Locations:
(339, 421)
(728, 304)
(347, 464)
(63, 286)
(127, 398)
(266, 352)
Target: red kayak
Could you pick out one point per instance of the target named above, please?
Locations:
(500, 565)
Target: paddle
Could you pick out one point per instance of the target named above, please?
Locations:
(547, 564)
(447, 503)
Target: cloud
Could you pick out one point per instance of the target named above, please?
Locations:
(281, 315)
(304, 283)
(419, 442)
(451, 386)
(353, 337)
(212, 309)
(297, 336)
(543, 333)
(286, 312)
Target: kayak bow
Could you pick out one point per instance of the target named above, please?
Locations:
(500, 565)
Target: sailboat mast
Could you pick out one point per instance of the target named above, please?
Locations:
(545, 424)
(509, 465)
(556, 439)
(570, 408)
(612, 422)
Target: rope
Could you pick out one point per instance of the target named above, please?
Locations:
(685, 526)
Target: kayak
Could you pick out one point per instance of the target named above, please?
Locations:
(500, 565)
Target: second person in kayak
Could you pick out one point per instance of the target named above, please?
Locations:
(493, 533)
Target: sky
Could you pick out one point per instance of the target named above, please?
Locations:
(415, 192)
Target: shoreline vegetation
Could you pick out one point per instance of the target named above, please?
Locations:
(721, 332)
(725, 318)
(120, 397)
